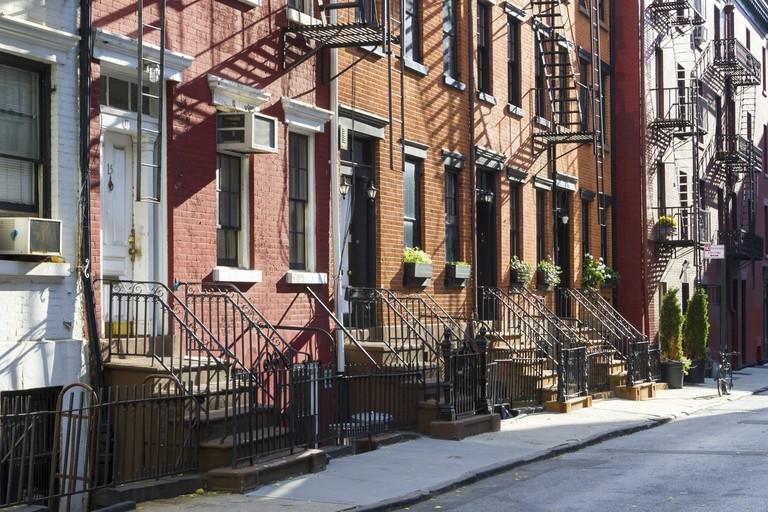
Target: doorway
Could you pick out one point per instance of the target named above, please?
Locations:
(487, 273)
(563, 247)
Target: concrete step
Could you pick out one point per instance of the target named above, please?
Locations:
(279, 467)
(218, 452)
(146, 490)
(644, 391)
(571, 405)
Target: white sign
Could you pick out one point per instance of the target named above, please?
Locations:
(714, 252)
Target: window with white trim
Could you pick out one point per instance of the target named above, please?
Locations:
(450, 39)
(23, 129)
(412, 30)
(299, 201)
(230, 196)
(412, 203)
(124, 95)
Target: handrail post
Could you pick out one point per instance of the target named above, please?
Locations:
(446, 408)
(561, 362)
(482, 349)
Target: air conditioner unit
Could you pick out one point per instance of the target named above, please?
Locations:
(30, 236)
(699, 36)
(246, 132)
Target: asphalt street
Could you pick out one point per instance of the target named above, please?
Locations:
(716, 459)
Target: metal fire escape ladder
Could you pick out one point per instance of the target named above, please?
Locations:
(562, 81)
(598, 141)
(153, 70)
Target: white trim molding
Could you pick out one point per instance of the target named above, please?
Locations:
(231, 95)
(235, 275)
(120, 51)
(303, 117)
(302, 277)
(32, 40)
(21, 269)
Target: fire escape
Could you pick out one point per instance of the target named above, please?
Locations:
(736, 72)
(676, 125)
(569, 106)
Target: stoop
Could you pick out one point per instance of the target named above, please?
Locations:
(465, 427)
(580, 402)
(246, 478)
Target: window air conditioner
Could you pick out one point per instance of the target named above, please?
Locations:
(30, 236)
(699, 36)
(246, 132)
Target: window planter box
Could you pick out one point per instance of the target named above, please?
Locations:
(457, 275)
(610, 283)
(417, 274)
(518, 279)
(664, 232)
(542, 284)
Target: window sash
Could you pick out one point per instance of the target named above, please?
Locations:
(411, 204)
(513, 60)
(298, 200)
(585, 227)
(584, 96)
(483, 48)
(541, 216)
(515, 218)
(450, 39)
(451, 217)
(230, 210)
(412, 30)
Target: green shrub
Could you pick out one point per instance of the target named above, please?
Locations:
(670, 323)
(416, 255)
(696, 330)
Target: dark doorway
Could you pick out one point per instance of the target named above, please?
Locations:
(563, 246)
(361, 245)
(486, 233)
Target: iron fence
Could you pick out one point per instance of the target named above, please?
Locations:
(599, 370)
(572, 382)
(639, 363)
(515, 382)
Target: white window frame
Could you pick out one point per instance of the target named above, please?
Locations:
(243, 239)
(310, 222)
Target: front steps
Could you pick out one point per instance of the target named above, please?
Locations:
(279, 467)
(574, 404)
(644, 391)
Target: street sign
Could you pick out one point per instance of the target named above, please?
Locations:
(714, 252)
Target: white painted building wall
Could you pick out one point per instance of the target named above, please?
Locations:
(41, 331)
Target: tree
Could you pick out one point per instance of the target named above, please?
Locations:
(670, 323)
(696, 330)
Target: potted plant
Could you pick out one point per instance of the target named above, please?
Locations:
(665, 227)
(417, 266)
(612, 277)
(547, 275)
(457, 273)
(520, 272)
(592, 272)
(670, 323)
(696, 335)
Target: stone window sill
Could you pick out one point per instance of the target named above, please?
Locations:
(486, 98)
(516, 111)
(34, 269)
(416, 67)
(236, 275)
(304, 277)
(452, 82)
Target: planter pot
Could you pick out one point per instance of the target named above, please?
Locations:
(672, 374)
(541, 284)
(610, 283)
(517, 279)
(697, 372)
(664, 232)
(417, 274)
(458, 271)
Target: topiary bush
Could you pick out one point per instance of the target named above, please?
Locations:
(670, 323)
(696, 330)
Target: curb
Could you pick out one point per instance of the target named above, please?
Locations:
(496, 469)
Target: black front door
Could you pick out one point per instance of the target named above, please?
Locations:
(362, 227)
(486, 235)
(563, 250)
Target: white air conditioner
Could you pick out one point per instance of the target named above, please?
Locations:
(699, 35)
(246, 132)
(30, 236)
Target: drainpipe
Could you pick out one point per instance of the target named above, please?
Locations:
(86, 264)
(471, 156)
(643, 176)
(336, 238)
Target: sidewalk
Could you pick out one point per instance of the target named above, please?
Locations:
(400, 473)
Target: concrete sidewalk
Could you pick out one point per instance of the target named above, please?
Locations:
(406, 472)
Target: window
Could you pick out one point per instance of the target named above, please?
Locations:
(412, 30)
(765, 148)
(541, 109)
(411, 204)
(483, 47)
(451, 217)
(23, 107)
(229, 201)
(541, 221)
(661, 187)
(749, 40)
(601, 9)
(124, 95)
(585, 235)
(604, 95)
(515, 219)
(513, 60)
(765, 73)
(686, 293)
(450, 39)
(300, 5)
(584, 70)
(298, 200)
(604, 235)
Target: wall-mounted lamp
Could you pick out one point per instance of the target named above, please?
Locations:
(484, 196)
(153, 72)
(371, 191)
(345, 186)
(565, 219)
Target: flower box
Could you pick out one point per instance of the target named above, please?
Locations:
(541, 282)
(453, 271)
(417, 274)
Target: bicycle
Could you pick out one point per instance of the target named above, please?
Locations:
(725, 373)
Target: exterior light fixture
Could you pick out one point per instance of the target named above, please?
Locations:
(371, 191)
(345, 186)
(153, 72)
(565, 219)
(484, 196)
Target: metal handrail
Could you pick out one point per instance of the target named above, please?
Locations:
(617, 334)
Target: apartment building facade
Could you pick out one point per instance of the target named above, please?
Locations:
(697, 155)
(222, 174)
(41, 332)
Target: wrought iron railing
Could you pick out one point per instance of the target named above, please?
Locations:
(737, 150)
(572, 375)
(515, 381)
(465, 380)
(734, 58)
(604, 332)
(684, 230)
(674, 107)
(742, 245)
(599, 366)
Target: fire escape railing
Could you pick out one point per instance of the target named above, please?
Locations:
(676, 13)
